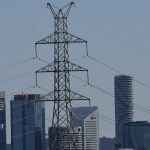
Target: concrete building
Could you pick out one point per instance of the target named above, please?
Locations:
(123, 105)
(107, 143)
(87, 119)
(2, 121)
(27, 123)
(64, 140)
(125, 149)
(8, 146)
(137, 135)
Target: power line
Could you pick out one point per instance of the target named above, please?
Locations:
(117, 71)
(16, 76)
(32, 131)
(111, 95)
(114, 23)
(122, 39)
(16, 63)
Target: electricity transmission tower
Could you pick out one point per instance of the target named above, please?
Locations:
(63, 134)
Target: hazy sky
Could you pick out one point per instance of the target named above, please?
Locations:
(118, 34)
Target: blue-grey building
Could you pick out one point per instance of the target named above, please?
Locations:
(8, 147)
(2, 121)
(86, 121)
(123, 105)
(27, 122)
(107, 143)
(137, 135)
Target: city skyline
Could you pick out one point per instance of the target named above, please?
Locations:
(24, 20)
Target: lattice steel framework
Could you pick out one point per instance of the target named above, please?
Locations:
(61, 67)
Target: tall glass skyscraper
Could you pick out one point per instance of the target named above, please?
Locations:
(27, 122)
(2, 121)
(123, 105)
(86, 120)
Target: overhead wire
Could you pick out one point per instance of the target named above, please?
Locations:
(110, 94)
(27, 133)
(132, 31)
(16, 63)
(114, 36)
(16, 76)
(117, 71)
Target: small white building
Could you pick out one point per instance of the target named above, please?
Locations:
(87, 118)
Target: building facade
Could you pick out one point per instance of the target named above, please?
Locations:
(107, 143)
(63, 138)
(27, 123)
(137, 135)
(87, 120)
(123, 105)
(2, 121)
(125, 149)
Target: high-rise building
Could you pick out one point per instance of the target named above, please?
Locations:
(27, 122)
(86, 119)
(2, 121)
(123, 105)
(107, 143)
(125, 149)
(8, 147)
(137, 135)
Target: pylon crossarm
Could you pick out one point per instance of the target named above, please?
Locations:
(70, 39)
(47, 40)
(73, 97)
(50, 68)
(77, 96)
(74, 39)
(74, 67)
(47, 97)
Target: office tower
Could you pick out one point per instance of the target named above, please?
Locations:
(8, 147)
(125, 149)
(107, 143)
(27, 122)
(123, 105)
(147, 141)
(137, 135)
(86, 119)
(2, 121)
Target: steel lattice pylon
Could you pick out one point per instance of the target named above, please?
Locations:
(63, 134)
